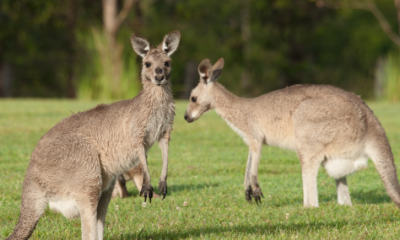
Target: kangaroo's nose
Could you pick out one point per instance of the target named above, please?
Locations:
(185, 116)
(159, 70)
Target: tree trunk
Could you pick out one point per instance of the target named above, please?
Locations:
(112, 20)
(397, 4)
(138, 23)
(190, 79)
(379, 79)
(5, 77)
(71, 25)
(110, 28)
(246, 35)
(1, 74)
(6, 80)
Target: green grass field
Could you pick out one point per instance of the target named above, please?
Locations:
(206, 170)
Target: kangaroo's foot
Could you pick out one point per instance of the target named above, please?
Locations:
(248, 192)
(147, 191)
(162, 186)
(257, 194)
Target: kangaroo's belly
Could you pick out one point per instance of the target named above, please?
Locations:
(66, 207)
(339, 167)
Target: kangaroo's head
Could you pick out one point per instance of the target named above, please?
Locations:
(202, 98)
(156, 61)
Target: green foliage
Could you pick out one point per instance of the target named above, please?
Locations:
(391, 70)
(291, 42)
(206, 170)
(96, 80)
(38, 39)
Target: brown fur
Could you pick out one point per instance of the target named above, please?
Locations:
(323, 124)
(136, 175)
(75, 164)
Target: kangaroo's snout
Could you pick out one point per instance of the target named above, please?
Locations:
(159, 74)
(159, 78)
(187, 118)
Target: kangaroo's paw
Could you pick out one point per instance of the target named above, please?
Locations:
(162, 186)
(248, 192)
(147, 191)
(257, 194)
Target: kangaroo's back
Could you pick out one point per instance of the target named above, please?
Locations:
(277, 113)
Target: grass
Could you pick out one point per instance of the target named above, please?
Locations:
(207, 164)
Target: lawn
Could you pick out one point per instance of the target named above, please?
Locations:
(206, 170)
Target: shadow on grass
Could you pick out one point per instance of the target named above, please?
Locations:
(370, 197)
(240, 230)
(191, 187)
(178, 188)
(361, 197)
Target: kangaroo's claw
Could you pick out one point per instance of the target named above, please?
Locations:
(147, 191)
(257, 194)
(162, 186)
(248, 193)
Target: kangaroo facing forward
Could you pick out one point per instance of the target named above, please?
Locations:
(74, 166)
(323, 124)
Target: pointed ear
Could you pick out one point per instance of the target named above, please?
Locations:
(217, 70)
(140, 45)
(171, 42)
(205, 71)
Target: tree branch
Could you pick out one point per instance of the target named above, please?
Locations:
(397, 4)
(124, 12)
(369, 6)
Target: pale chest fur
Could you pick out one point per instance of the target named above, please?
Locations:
(160, 121)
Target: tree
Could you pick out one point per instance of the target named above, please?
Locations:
(112, 21)
(369, 5)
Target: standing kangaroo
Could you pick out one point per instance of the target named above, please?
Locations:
(323, 124)
(75, 164)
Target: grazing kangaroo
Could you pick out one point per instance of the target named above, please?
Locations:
(323, 124)
(75, 164)
(136, 175)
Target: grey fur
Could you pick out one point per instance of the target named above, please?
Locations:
(75, 164)
(325, 125)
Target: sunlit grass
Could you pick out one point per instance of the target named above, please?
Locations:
(207, 164)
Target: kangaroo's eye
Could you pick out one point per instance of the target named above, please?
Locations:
(194, 99)
(147, 64)
(167, 64)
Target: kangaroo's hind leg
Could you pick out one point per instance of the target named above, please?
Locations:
(343, 194)
(310, 164)
(120, 187)
(102, 210)
(88, 210)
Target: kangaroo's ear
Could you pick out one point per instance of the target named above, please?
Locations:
(171, 42)
(217, 70)
(140, 45)
(205, 71)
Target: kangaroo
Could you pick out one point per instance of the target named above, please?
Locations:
(136, 175)
(75, 164)
(325, 125)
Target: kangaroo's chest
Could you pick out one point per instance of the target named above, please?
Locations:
(160, 120)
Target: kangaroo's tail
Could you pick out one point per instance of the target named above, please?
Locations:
(33, 204)
(381, 154)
